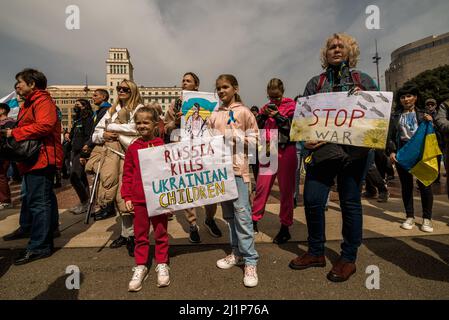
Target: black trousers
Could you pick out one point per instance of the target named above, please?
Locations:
(407, 186)
(374, 181)
(78, 178)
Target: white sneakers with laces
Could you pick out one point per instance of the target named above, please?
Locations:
(427, 226)
(230, 261)
(408, 224)
(139, 276)
(163, 275)
(250, 279)
(80, 209)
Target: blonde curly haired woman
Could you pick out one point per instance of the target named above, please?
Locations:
(114, 133)
(339, 56)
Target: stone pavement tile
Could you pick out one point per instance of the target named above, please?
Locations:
(380, 220)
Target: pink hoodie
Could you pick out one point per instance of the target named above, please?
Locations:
(244, 120)
(286, 109)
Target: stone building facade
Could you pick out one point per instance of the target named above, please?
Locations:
(118, 67)
(414, 58)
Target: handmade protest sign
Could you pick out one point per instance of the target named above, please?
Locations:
(187, 174)
(357, 120)
(196, 109)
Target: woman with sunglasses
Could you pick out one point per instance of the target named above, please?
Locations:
(115, 132)
(277, 115)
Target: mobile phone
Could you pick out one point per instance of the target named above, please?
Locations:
(178, 105)
(273, 107)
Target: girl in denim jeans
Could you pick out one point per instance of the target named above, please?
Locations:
(235, 121)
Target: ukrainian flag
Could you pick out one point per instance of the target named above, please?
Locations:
(11, 100)
(419, 155)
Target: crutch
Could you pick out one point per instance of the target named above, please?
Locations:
(92, 194)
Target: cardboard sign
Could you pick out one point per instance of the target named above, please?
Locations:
(358, 120)
(187, 174)
(196, 109)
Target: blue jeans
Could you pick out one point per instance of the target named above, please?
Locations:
(237, 213)
(316, 190)
(40, 208)
(25, 219)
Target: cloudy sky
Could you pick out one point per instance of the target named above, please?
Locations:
(252, 39)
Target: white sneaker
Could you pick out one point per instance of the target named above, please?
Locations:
(250, 279)
(230, 261)
(80, 209)
(139, 276)
(427, 226)
(5, 205)
(163, 276)
(408, 224)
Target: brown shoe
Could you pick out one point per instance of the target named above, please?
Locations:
(307, 261)
(341, 271)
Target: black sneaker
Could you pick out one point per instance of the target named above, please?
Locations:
(117, 243)
(194, 236)
(56, 233)
(283, 236)
(16, 234)
(213, 228)
(130, 245)
(255, 229)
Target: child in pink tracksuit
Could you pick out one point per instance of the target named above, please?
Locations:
(277, 115)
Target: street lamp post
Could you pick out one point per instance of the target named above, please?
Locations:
(376, 59)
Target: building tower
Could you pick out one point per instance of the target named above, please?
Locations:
(118, 67)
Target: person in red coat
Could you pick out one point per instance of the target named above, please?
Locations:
(38, 119)
(146, 120)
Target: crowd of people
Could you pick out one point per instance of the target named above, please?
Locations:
(106, 141)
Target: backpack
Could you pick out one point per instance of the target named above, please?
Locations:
(355, 75)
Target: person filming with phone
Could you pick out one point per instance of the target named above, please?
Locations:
(277, 115)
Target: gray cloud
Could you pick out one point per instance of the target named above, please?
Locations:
(253, 39)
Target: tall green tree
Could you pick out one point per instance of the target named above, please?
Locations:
(432, 84)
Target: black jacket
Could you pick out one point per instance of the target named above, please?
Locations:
(99, 114)
(81, 133)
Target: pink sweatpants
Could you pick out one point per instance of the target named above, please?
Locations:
(286, 173)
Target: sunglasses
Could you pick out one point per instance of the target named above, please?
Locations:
(124, 89)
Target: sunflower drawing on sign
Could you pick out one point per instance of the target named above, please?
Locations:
(197, 108)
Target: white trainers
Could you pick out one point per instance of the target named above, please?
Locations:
(250, 279)
(408, 224)
(80, 209)
(427, 226)
(139, 276)
(163, 276)
(230, 261)
(5, 205)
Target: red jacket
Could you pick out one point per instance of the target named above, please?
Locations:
(132, 186)
(39, 120)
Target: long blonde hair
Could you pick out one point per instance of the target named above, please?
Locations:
(349, 42)
(134, 100)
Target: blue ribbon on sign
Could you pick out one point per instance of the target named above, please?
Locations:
(231, 117)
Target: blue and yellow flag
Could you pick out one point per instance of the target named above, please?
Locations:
(419, 155)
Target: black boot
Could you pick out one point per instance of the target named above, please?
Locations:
(106, 212)
(255, 228)
(283, 236)
(130, 245)
(117, 243)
